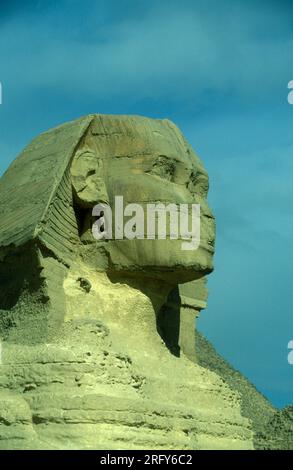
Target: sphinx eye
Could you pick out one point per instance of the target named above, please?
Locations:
(164, 168)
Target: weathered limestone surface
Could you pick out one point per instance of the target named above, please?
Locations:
(97, 336)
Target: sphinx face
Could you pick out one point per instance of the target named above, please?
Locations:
(148, 163)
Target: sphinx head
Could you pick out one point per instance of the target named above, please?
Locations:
(130, 164)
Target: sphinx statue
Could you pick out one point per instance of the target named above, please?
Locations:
(58, 179)
(98, 334)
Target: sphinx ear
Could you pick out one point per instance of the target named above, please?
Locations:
(87, 177)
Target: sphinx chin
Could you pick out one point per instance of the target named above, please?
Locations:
(159, 259)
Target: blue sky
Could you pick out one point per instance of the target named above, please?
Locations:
(220, 71)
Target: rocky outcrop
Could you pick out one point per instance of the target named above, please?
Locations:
(272, 428)
(277, 434)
